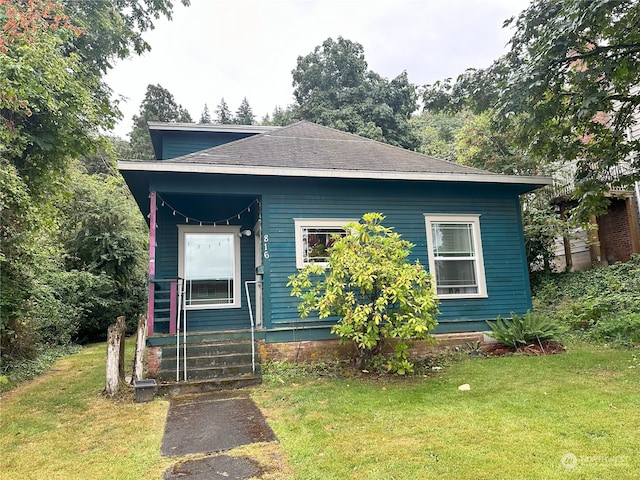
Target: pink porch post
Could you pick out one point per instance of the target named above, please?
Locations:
(152, 260)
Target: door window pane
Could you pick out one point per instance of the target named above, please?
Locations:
(209, 268)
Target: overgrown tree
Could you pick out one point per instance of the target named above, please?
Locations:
(158, 105)
(27, 244)
(105, 237)
(375, 293)
(333, 87)
(53, 56)
(48, 106)
(244, 114)
(576, 82)
(54, 104)
(223, 114)
(567, 91)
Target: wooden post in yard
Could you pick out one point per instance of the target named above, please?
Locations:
(141, 338)
(115, 340)
(122, 326)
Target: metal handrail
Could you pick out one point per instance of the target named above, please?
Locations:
(180, 296)
(253, 342)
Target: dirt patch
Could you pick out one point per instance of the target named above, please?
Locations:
(542, 348)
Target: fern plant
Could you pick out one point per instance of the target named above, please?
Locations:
(524, 329)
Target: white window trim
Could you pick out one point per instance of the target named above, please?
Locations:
(301, 223)
(182, 229)
(459, 219)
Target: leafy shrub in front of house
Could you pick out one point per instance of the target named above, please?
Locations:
(374, 292)
(524, 329)
(600, 305)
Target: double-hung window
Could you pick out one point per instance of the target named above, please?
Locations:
(455, 255)
(314, 237)
(209, 264)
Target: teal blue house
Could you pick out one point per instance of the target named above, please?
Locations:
(234, 210)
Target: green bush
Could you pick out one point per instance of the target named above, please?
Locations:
(374, 292)
(524, 329)
(618, 330)
(602, 305)
(91, 303)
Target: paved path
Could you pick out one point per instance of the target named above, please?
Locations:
(213, 423)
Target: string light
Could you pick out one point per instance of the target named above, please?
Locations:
(238, 215)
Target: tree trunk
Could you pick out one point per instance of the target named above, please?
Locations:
(114, 343)
(138, 367)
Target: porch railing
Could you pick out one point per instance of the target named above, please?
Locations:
(165, 304)
(166, 315)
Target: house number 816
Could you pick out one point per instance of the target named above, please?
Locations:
(265, 246)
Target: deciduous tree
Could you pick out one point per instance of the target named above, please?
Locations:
(567, 91)
(281, 117)
(333, 87)
(54, 106)
(574, 81)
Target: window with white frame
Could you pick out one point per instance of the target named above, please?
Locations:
(314, 236)
(209, 264)
(455, 255)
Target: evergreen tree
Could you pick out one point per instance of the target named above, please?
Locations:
(244, 114)
(158, 106)
(205, 117)
(223, 114)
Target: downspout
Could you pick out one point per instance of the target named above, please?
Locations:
(152, 261)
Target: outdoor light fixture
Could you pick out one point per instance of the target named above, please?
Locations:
(245, 233)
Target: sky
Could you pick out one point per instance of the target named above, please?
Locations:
(248, 48)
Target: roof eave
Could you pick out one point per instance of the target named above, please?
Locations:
(165, 166)
(209, 127)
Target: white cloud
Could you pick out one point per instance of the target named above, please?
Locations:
(238, 48)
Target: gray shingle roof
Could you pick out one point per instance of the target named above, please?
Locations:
(306, 145)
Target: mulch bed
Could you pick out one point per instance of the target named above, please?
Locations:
(542, 348)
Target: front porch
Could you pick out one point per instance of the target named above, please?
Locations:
(205, 292)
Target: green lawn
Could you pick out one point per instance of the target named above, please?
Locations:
(521, 416)
(59, 426)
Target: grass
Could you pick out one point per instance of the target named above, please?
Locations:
(521, 416)
(60, 426)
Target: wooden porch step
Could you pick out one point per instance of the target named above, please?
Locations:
(208, 349)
